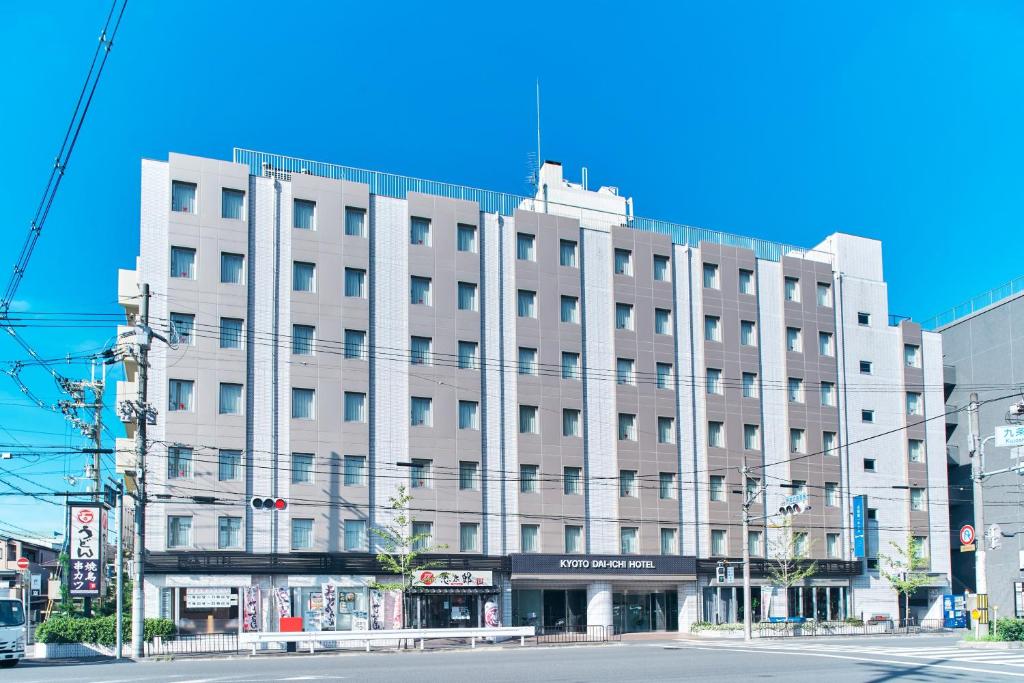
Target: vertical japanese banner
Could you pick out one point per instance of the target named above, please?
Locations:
(85, 550)
(284, 602)
(251, 609)
(329, 619)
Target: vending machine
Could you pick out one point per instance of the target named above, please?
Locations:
(954, 611)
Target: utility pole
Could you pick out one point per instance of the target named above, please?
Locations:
(748, 500)
(120, 569)
(143, 337)
(977, 474)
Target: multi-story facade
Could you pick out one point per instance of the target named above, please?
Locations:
(980, 340)
(569, 392)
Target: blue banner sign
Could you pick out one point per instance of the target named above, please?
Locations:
(860, 522)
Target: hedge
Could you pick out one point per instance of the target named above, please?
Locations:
(698, 626)
(100, 630)
(1010, 629)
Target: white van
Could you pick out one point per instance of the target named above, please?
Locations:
(12, 632)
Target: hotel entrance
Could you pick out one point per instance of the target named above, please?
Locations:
(642, 612)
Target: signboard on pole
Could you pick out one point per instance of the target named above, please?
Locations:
(860, 521)
(85, 542)
(967, 534)
(22, 563)
(1008, 436)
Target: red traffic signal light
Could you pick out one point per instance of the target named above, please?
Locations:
(258, 503)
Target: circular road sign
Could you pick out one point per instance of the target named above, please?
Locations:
(22, 563)
(967, 534)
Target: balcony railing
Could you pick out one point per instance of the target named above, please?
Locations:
(975, 304)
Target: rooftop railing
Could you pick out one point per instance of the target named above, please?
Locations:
(505, 204)
(975, 304)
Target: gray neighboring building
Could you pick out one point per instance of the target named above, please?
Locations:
(568, 389)
(982, 341)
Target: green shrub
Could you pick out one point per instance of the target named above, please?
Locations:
(854, 621)
(100, 630)
(698, 626)
(1010, 629)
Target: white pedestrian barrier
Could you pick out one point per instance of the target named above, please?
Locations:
(315, 638)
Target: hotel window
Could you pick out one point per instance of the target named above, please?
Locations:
(420, 351)
(664, 375)
(831, 494)
(355, 283)
(303, 404)
(422, 535)
(628, 544)
(421, 411)
(799, 487)
(466, 238)
(662, 321)
(180, 392)
(800, 543)
(915, 406)
(869, 464)
(754, 543)
(528, 479)
(229, 532)
(303, 277)
(304, 214)
(355, 406)
(863, 318)
(915, 450)
(825, 294)
(711, 276)
(355, 344)
(867, 415)
(468, 534)
(796, 441)
(179, 462)
(570, 309)
(666, 485)
(355, 535)
(528, 420)
(666, 430)
(302, 468)
(529, 538)
(570, 422)
(567, 253)
(183, 197)
(302, 340)
(912, 355)
(828, 443)
(751, 437)
(469, 479)
(230, 333)
(469, 415)
(794, 340)
(624, 371)
(420, 473)
(623, 316)
(668, 541)
(627, 427)
(795, 390)
(865, 367)
(527, 303)
(661, 270)
(748, 333)
(825, 347)
(920, 547)
(355, 222)
(231, 204)
(182, 326)
(525, 247)
(179, 532)
(753, 488)
(573, 539)
(527, 361)
(302, 534)
(623, 262)
(183, 263)
(718, 542)
(419, 231)
(716, 488)
(746, 281)
(716, 435)
(712, 328)
(355, 470)
(232, 268)
(230, 402)
(570, 365)
(750, 385)
(419, 291)
(792, 289)
(713, 380)
(832, 544)
(572, 481)
(229, 465)
(917, 500)
(468, 355)
(467, 296)
(828, 394)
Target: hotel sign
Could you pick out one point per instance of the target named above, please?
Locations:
(612, 565)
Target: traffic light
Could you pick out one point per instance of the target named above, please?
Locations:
(720, 572)
(795, 505)
(268, 503)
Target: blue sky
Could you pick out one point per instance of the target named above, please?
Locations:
(899, 121)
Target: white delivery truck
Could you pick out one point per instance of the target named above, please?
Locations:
(12, 632)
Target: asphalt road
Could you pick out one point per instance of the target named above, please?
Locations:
(924, 658)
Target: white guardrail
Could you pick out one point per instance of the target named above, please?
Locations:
(314, 638)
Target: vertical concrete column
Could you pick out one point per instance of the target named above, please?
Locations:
(688, 605)
(599, 604)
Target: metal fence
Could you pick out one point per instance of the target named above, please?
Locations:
(823, 628)
(974, 304)
(579, 634)
(197, 644)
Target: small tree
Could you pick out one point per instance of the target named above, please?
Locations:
(787, 563)
(400, 548)
(903, 570)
